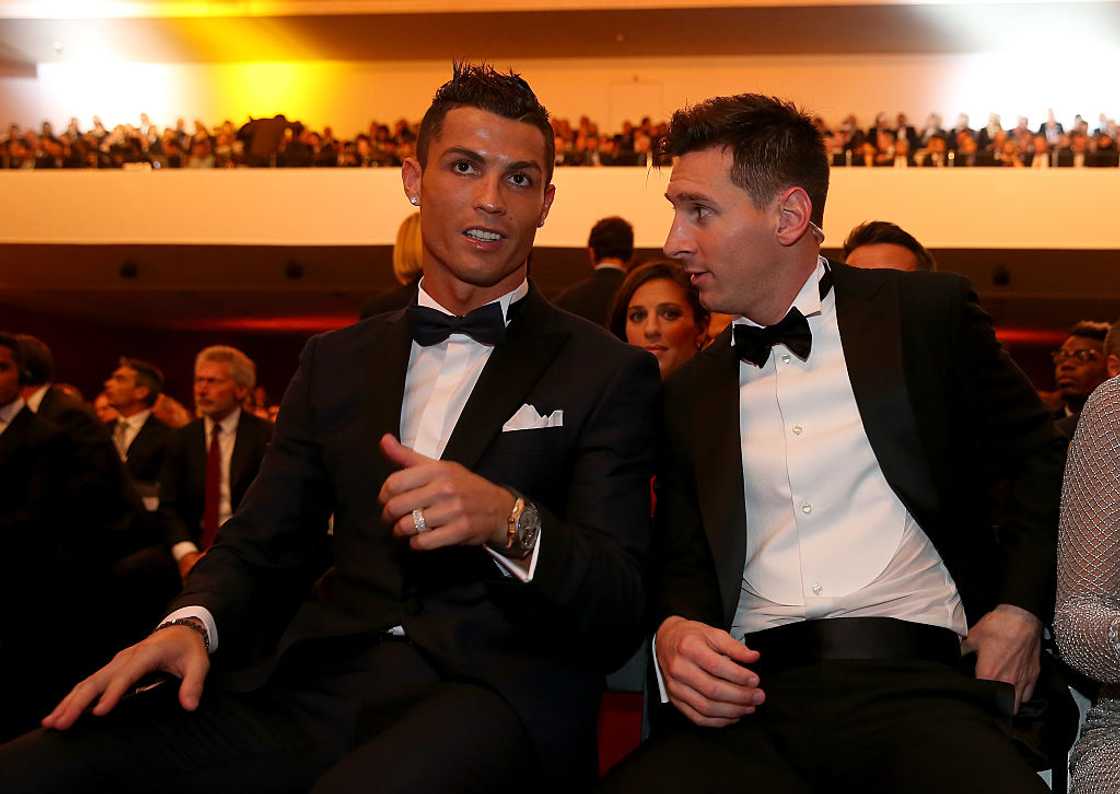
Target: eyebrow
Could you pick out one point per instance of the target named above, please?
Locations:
(698, 197)
(520, 165)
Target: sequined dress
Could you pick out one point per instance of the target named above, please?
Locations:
(1087, 620)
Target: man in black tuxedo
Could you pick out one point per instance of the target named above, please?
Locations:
(487, 566)
(140, 438)
(212, 461)
(46, 553)
(825, 548)
(610, 247)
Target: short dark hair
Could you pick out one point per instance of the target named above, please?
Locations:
(611, 238)
(878, 232)
(651, 271)
(483, 87)
(147, 375)
(11, 341)
(38, 362)
(1112, 341)
(1090, 329)
(773, 145)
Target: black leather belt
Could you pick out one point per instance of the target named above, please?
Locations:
(881, 639)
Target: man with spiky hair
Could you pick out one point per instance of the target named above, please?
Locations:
(832, 610)
(486, 458)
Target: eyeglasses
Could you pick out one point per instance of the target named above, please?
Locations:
(1084, 356)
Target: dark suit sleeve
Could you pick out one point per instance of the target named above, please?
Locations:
(262, 562)
(684, 579)
(589, 575)
(172, 492)
(1017, 438)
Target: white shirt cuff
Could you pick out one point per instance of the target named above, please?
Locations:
(519, 569)
(657, 672)
(182, 549)
(203, 614)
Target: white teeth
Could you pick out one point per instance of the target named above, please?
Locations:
(479, 234)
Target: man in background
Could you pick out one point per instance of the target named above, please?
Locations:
(610, 247)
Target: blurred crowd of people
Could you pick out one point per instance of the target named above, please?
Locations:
(279, 142)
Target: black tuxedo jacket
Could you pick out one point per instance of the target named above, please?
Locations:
(146, 452)
(591, 298)
(946, 412)
(182, 481)
(545, 645)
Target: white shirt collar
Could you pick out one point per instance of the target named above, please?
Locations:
(808, 300)
(35, 399)
(610, 266)
(228, 425)
(137, 420)
(11, 410)
(511, 297)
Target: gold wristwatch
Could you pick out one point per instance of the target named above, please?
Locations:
(522, 527)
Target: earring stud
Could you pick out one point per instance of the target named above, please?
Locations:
(414, 201)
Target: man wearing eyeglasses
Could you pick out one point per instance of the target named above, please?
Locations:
(1079, 367)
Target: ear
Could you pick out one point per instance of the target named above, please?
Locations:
(795, 212)
(411, 177)
(549, 197)
(1112, 363)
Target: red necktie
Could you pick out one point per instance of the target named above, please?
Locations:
(213, 489)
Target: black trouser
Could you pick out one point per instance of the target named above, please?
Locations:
(867, 726)
(364, 714)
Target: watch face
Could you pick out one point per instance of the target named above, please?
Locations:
(528, 525)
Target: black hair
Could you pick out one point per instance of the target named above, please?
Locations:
(483, 87)
(877, 232)
(1090, 329)
(652, 270)
(147, 375)
(11, 341)
(611, 238)
(38, 362)
(773, 145)
(1112, 340)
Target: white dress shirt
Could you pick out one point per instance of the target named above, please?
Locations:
(826, 535)
(227, 439)
(35, 399)
(9, 412)
(437, 385)
(127, 429)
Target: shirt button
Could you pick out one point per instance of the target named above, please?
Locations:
(817, 589)
(797, 430)
(806, 508)
(786, 358)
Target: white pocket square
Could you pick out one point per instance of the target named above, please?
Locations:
(527, 418)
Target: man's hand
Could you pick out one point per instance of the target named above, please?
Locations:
(460, 507)
(178, 650)
(1008, 643)
(187, 562)
(704, 674)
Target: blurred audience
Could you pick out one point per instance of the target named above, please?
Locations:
(610, 246)
(283, 143)
(1079, 367)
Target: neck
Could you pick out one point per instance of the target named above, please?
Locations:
(611, 261)
(775, 298)
(26, 391)
(223, 416)
(461, 297)
(131, 410)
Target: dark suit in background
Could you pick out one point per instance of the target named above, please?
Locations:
(45, 571)
(182, 482)
(390, 300)
(145, 454)
(591, 298)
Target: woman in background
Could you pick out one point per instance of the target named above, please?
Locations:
(1087, 617)
(408, 258)
(657, 309)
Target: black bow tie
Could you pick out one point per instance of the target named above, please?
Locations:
(485, 325)
(753, 344)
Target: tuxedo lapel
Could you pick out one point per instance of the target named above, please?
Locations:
(868, 314)
(515, 365)
(386, 364)
(719, 467)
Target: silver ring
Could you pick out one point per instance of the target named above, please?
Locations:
(418, 520)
